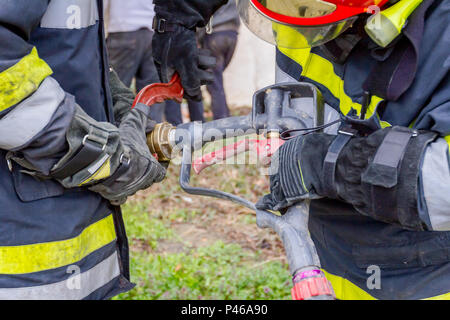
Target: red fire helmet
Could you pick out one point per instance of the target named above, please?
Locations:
(311, 22)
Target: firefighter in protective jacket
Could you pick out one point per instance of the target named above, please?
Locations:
(377, 184)
(71, 151)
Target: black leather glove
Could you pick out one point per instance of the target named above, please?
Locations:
(296, 171)
(175, 43)
(178, 51)
(377, 174)
(190, 13)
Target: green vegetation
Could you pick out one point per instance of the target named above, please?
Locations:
(186, 247)
(219, 271)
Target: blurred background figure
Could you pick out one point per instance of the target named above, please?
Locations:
(222, 44)
(174, 115)
(129, 42)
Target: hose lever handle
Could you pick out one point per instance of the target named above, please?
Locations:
(264, 149)
(159, 92)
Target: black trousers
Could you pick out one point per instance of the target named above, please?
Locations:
(222, 45)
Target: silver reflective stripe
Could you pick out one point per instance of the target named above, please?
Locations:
(30, 116)
(98, 164)
(70, 14)
(436, 184)
(77, 287)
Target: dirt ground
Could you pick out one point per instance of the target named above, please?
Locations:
(209, 219)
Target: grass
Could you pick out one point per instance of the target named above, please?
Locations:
(218, 271)
(189, 252)
(191, 247)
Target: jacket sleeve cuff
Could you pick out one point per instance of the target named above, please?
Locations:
(193, 13)
(35, 128)
(434, 200)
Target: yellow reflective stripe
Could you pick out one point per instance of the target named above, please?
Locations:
(321, 70)
(445, 296)
(22, 79)
(77, 287)
(412, 124)
(51, 255)
(346, 290)
(385, 124)
(102, 173)
(289, 37)
(301, 175)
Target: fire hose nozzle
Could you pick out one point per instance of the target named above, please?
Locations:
(160, 141)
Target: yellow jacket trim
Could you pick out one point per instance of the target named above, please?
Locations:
(22, 79)
(102, 173)
(51, 255)
(346, 290)
(445, 296)
(320, 70)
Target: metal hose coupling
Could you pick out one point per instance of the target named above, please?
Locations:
(160, 141)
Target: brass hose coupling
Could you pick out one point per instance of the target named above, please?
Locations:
(160, 140)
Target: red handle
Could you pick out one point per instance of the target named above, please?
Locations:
(264, 148)
(159, 92)
(312, 287)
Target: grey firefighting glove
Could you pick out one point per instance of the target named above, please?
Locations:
(122, 97)
(78, 151)
(114, 162)
(175, 44)
(377, 174)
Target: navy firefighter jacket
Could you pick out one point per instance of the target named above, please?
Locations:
(411, 92)
(54, 243)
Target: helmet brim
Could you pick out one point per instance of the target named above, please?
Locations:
(340, 13)
(284, 34)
